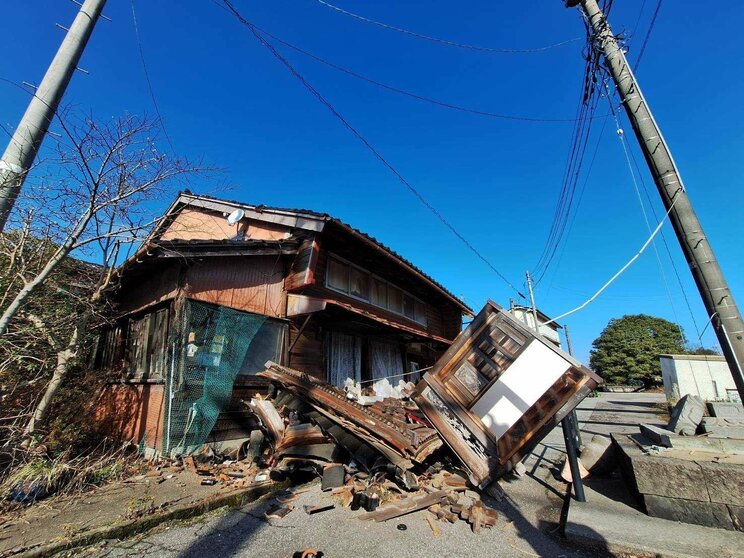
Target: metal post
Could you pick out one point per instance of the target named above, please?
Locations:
(569, 434)
(26, 141)
(572, 416)
(714, 290)
(573, 460)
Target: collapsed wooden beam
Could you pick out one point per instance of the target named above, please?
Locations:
(399, 441)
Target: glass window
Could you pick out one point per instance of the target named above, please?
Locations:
(266, 345)
(420, 310)
(338, 275)
(409, 305)
(379, 293)
(359, 284)
(395, 299)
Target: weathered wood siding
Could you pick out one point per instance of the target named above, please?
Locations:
(301, 270)
(252, 284)
(152, 288)
(444, 319)
(308, 353)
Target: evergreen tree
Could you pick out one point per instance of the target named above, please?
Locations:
(628, 349)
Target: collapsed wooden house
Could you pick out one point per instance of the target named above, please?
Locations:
(221, 287)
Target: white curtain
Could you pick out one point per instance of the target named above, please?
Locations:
(385, 360)
(345, 358)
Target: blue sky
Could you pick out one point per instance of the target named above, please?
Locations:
(224, 98)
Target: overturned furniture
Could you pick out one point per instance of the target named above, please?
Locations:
(498, 390)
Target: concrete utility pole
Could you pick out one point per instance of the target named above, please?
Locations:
(719, 302)
(26, 141)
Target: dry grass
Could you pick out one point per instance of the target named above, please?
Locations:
(39, 476)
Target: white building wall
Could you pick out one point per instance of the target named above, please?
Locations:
(705, 375)
(528, 319)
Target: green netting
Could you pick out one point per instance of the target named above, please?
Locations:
(210, 346)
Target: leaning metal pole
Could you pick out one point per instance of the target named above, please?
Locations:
(714, 290)
(26, 141)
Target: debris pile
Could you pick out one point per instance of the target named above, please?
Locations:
(375, 454)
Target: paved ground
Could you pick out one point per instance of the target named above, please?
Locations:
(527, 525)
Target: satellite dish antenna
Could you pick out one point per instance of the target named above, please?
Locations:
(235, 216)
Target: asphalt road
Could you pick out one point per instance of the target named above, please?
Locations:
(527, 516)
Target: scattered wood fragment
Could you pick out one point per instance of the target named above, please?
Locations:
(435, 530)
(188, 462)
(278, 511)
(310, 510)
(405, 506)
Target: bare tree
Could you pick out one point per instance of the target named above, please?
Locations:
(96, 200)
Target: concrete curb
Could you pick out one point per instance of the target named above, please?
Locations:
(602, 524)
(128, 528)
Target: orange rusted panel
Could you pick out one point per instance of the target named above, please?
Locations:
(196, 224)
(133, 412)
(266, 231)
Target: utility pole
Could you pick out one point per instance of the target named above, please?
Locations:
(714, 290)
(532, 302)
(569, 424)
(26, 141)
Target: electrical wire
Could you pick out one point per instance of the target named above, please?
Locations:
(416, 96)
(147, 79)
(626, 152)
(261, 39)
(623, 268)
(445, 41)
(579, 143)
(648, 35)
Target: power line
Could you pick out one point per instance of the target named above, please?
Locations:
(147, 79)
(623, 268)
(648, 35)
(446, 41)
(261, 39)
(416, 96)
(579, 143)
(626, 152)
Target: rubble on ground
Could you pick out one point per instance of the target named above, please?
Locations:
(372, 448)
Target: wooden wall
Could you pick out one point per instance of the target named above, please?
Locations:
(158, 284)
(308, 354)
(251, 283)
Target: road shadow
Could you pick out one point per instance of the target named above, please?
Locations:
(231, 534)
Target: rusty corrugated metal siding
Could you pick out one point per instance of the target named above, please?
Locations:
(133, 412)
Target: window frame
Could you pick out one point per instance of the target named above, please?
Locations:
(372, 279)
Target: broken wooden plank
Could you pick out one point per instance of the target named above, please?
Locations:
(310, 510)
(270, 418)
(405, 506)
(389, 433)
